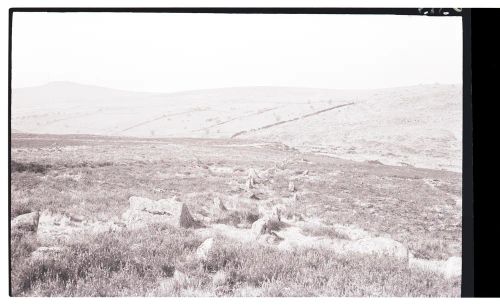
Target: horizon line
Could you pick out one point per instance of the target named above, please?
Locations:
(229, 87)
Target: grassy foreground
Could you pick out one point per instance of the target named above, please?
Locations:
(142, 263)
(93, 177)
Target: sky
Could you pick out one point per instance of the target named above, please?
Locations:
(166, 52)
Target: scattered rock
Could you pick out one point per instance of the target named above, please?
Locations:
(76, 218)
(306, 172)
(204, 250)
(28, 221)
(276, 213)
(144, 211)
(291, 186)
(218, 204)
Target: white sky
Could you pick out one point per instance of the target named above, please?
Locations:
(165, 52)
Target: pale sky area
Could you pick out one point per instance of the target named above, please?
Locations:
(165, 52)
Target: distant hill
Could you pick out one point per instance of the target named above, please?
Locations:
(419, 125)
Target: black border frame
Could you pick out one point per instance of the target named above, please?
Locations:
(467, 287)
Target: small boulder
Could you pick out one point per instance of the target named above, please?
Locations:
(270, 238)
(291, 187)
(28, 221)
(259, 227)
(253, 195)
(276, 213)
(204, 250)
(249, 183)
(143, 212)
(219, 205)
(379, 246)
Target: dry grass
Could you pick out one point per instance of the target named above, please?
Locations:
(94, 177)
(107, 266)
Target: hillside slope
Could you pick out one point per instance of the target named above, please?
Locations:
(419, 125)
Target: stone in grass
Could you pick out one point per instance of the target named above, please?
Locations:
(54, 228)
(379, 246)
(28, 221)
(276, 212)
(449, 268)
(249, 183)
(205, 249)
(270, 238)
(144, 211)
(259, 227)
(219, 205)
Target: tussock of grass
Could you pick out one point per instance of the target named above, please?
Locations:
(31, 167)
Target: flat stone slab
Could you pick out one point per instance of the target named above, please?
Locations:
(54, 228)
(143, 212)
